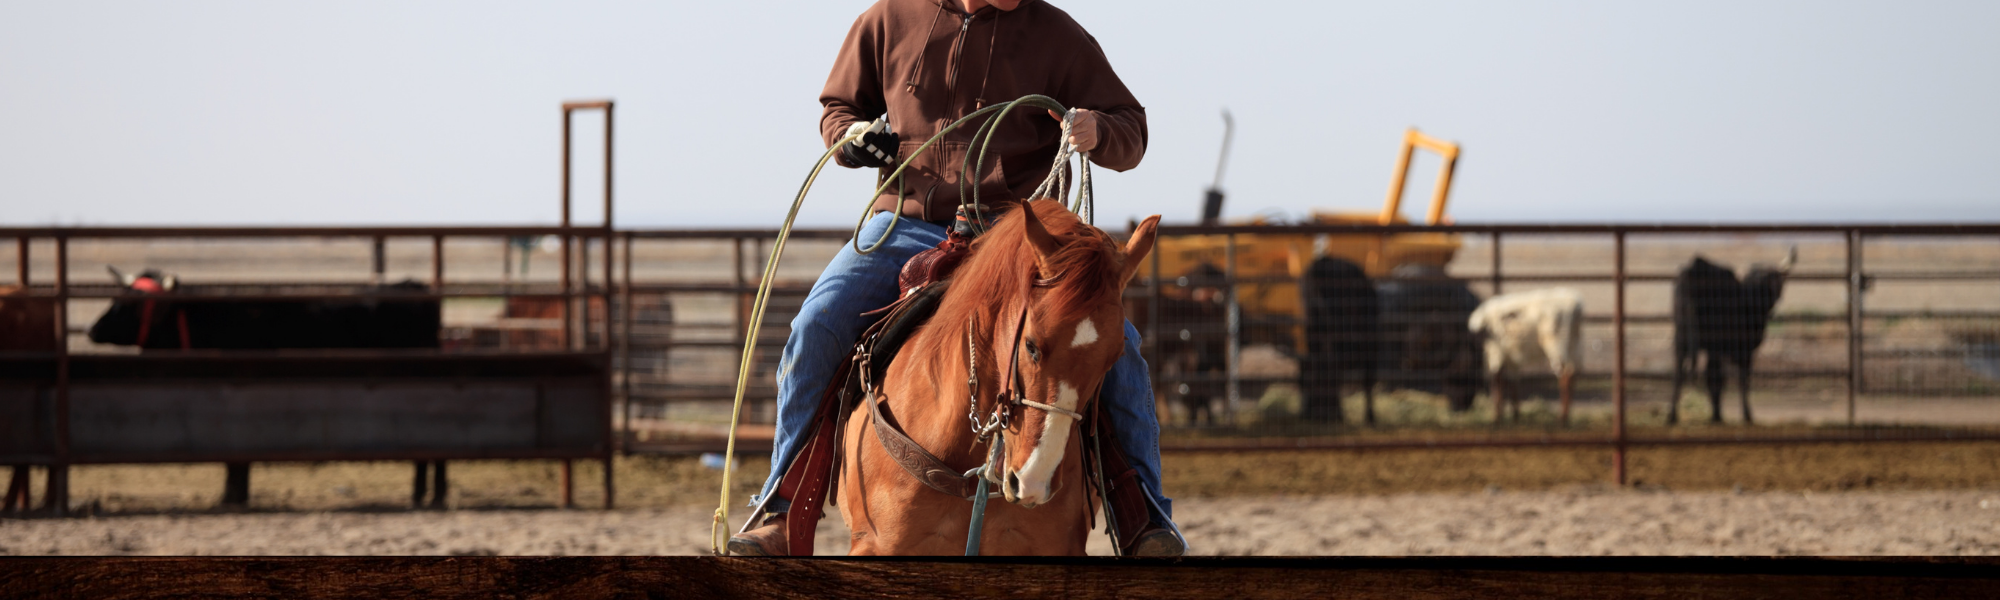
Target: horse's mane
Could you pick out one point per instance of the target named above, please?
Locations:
(1002, 266)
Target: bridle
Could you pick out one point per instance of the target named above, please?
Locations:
(1010, 394)
(993, 431)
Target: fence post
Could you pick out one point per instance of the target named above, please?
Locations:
(56, 497)
(1153, 322)
(1618, 366)
(583, 291)
(1854, 278)
(1235, 322)
(437, 264)
(1496, 262)
(567, 300)
(625, 347)
(381, 260)
(742, 288)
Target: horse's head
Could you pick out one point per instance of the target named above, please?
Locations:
(1072, 331)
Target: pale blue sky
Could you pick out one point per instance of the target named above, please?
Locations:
(135, 113)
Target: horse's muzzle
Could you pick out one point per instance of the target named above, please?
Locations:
(1025, 494)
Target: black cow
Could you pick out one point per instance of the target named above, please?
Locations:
(150, 317)
(1342, 319)
(1191, 352)
(1425, 344)
(1716, 314)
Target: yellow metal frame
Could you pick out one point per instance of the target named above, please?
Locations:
(1412, 140)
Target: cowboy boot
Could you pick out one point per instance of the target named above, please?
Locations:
(768, 539)
(1157, 541)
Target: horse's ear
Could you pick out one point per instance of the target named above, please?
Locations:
(1038, 236)
(1140, 245)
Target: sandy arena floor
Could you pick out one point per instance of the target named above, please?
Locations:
(1839, 499)
(1581, 521)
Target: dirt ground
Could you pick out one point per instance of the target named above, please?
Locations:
(1911, 498)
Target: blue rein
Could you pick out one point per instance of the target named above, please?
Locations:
(978, 518)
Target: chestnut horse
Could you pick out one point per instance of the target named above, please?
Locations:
(1035, 311)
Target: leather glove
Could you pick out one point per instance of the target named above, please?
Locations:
(876, 148)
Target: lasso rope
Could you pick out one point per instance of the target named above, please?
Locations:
(720, 524)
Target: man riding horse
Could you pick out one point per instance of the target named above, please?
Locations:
(925, 64)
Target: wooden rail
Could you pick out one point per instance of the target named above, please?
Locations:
(1075, 579)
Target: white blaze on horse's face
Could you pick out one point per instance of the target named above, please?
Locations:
(1086, 334)
(1032, 480)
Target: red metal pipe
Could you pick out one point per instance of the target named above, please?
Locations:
(1496, 262)
(1618, 368)
(437, 263)
(1331, 444)
(333, 455)
(1854, 323)
(57, 494)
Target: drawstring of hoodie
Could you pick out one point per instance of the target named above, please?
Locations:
(917, 69)
(979, 101)
(986, 75)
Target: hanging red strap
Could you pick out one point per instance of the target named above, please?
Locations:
(145, 322)
(181, 318)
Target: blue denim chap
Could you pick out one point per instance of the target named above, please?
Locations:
(830, 321)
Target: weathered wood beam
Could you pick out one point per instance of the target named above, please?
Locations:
(708, 577)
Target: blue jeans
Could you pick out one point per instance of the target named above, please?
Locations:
(830, 321)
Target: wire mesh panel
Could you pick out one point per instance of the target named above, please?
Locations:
(684, 370)
(1700, 307)
(1373, 335)
(1931, 315)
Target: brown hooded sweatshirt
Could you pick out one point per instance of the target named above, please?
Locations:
(925, 63)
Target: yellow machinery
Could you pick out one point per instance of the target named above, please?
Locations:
(1268, 265)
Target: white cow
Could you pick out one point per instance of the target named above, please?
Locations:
(1525, 328)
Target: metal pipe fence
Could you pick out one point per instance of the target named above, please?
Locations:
(1829, 355)
(667, 309)
(52, 282)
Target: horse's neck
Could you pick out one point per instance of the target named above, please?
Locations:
(937, 393)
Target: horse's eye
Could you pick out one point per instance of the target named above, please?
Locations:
(1034, 352)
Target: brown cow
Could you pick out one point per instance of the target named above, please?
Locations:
(26, 325)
